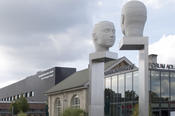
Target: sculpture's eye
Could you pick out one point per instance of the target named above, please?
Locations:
(106, 30)
(123, 19)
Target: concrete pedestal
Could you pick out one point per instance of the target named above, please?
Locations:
(141, 44)
(96, 78)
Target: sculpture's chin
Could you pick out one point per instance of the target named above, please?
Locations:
(108, 45)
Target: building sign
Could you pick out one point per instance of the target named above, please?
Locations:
(120, 69)
(161, 66)
(46, 74)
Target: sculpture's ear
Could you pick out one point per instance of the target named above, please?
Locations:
(122, 23)
(94, 36)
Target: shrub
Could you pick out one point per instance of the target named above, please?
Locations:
(21, 114)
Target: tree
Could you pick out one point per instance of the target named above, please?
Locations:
(23, 104)
(14, 108)
(20, 105)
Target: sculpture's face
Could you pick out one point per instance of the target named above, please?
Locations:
(105, 35)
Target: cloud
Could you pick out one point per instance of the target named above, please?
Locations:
(36, 35)
(164, 48)
(31, 16)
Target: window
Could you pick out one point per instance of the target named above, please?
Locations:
(26, 94)
(33, 93)
(57, 107)
(114, 84)
(136, 85)
(11, 98)
(14, 97)
(128, 92)
(108, 82)
(17, 96)
(30, 94)
(155, 85)
(165, 85)
(75, 102)
(121, 85)
(172, 86)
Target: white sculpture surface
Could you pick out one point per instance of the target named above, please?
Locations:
(134, 15)
(103, 36)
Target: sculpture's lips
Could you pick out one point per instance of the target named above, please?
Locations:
(110, 42)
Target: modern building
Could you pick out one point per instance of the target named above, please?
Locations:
(121, 93)
(34, 87)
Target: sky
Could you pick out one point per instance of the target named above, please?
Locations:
(39, 34)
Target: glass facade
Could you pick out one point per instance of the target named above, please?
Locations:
(172, 90)
(121, 93)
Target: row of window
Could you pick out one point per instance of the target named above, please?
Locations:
(162, 86)
(75, 103)
(123, 84)
(121, 94)
(122, 91)
(26, 95)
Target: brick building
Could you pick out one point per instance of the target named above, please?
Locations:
(35, 109)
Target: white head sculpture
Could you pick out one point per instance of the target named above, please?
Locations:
(103, 36)
(134, 15)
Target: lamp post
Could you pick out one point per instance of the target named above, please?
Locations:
(134, 16)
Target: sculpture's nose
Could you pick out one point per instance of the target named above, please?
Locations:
(112, 36)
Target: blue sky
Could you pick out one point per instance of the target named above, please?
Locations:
(36, 35)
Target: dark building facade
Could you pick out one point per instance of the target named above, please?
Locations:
(34, 87)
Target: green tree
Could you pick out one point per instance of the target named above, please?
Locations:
(23, 104)
(14, 108)
(20, 105)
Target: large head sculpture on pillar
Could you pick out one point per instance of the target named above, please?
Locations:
(134, 15)
(103, 36)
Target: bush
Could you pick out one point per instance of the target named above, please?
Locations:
(136, 110)
(73, 112)
(21, 114)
